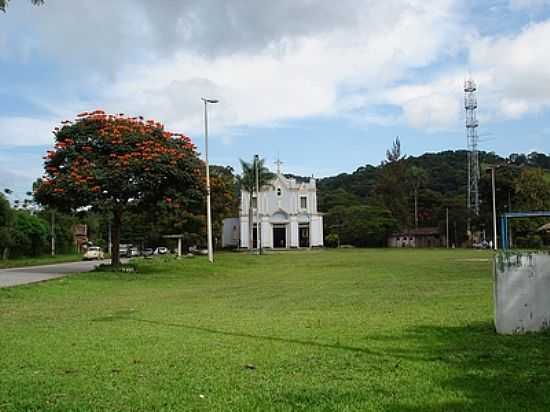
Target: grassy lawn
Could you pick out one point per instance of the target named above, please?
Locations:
(41, 260)
(350, 330)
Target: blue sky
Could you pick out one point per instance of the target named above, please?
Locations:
(327, 89)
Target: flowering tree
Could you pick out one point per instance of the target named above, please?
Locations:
(114, 163)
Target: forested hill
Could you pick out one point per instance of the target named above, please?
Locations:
(435, 182)
(446, 174)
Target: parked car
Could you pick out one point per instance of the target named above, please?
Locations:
(124, 250)
(161, 250)
(198, 250)
(481, 245)
(134, 252)
(93, 253)
(147, 251)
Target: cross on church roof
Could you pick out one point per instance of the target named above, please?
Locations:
(278, 163)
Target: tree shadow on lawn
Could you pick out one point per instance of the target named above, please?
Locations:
(490, 371)
(251, 336)
(484, 370)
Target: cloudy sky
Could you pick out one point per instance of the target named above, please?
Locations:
(326, 85)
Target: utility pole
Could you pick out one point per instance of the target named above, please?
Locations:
(510, 240)
(455, 233)
(495, 240)
(416, 207)
(258, 223)
(53, 232)
(447, 229)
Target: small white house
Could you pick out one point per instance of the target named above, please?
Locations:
(288, 217)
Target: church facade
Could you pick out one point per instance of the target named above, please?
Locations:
(288, 217)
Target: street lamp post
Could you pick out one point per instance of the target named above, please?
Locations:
(52, 228)
(258, 223)
(208, 209)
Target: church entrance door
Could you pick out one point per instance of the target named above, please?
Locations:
(279, 236)
(303, 235)
(254, 237)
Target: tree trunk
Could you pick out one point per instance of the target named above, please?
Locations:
(5, 254)
(250, 223)
(115, 228)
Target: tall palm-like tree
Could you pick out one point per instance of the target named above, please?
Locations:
(4, 3)
(417, 178)
(247, 181)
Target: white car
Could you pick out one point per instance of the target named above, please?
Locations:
(161, 250)
(93, 253)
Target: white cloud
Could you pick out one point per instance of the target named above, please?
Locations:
(26, 131)
(513, 109)
(267, 62)
(528, 4)
(516, 70)
(291, 77)
(512, 73)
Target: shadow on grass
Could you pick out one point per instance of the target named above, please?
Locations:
(492, 372)
(257, 337)
(471, 363)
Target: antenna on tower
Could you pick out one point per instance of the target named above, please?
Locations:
(472, 139)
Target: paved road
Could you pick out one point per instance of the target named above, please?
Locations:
(31, 274)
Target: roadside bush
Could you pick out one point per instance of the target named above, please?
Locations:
(332, 240)
(30, 237)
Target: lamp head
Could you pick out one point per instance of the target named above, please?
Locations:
(204, 99)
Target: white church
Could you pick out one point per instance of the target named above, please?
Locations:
(288, 216)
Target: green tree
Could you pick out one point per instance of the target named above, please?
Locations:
(339, 197)
(7, 220)
(247, 182)
(532, 193)
(360, 225)
(393, 155)
(417, 178)
(114, 164)
(225, 202)
(532, 190)
(391, 187)
(30, 235)
(148, 228)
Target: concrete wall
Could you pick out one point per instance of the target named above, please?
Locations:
(316, 231)
(522, 292)
(231, 232)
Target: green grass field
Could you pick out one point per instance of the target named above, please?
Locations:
(41, 260)
(350, 330)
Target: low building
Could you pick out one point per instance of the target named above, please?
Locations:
(419, 237)
(80, 236)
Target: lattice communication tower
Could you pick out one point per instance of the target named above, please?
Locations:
(470, 104)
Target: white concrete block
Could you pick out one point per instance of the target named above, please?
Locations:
(522, 292)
